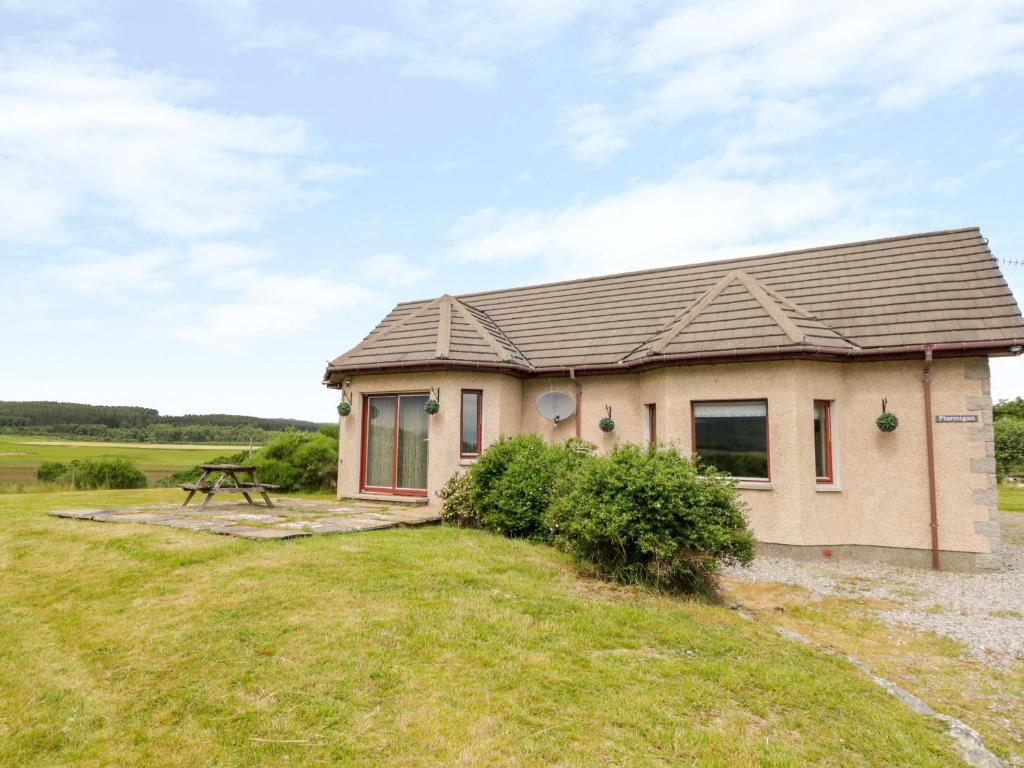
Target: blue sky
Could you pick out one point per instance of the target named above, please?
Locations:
(201, 202)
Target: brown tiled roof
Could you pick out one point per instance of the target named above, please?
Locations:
(878, 297)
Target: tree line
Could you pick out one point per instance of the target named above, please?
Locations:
(135, 424)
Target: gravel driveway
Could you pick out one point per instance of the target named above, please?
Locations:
(985, 611)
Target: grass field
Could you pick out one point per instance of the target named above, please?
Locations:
(1011, 497)
(134, 645)
(20, 455)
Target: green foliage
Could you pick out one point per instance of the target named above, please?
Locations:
(456, 505)
(299, 461)
(650, 516)
(107, 474)
(52, 471)
(280, 473)
(123, 423)
(432, 406)
(1013, 408)
(1009, 445)
(606, 424)
(887, 422)
(330, 430)
(344, 408)
(515, 479)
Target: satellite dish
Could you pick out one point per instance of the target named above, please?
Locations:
(556, 406)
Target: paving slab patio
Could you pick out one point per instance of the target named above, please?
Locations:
(291, 518)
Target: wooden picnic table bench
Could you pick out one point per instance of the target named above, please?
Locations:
(228, 482)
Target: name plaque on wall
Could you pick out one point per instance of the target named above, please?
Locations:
(955, 418)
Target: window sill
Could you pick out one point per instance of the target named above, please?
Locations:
(468, 461)
(828, 488)
(754, 485)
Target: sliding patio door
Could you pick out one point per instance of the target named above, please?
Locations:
(395, 441)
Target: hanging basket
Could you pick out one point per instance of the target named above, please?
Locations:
(344, 408)
(431, 406)
(606, 424)
(887, 422)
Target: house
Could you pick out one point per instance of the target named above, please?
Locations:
(772, 367)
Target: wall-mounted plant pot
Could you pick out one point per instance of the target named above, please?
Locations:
(887, 422)
(606, 424)
(344, 408)
(431, 406)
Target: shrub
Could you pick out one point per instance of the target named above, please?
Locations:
(107, 474)
(515, 479)
(1009, 432)
(650, 516)
(52, 471)
(299, 461)
(280, 473)
(456, 507)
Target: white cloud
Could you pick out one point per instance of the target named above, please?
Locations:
(720, 56)
(217, 293)
(590, 134)
(84, 137)
(453, 39)
(114, 277)
(267, 305)
(787, 70)
(695, 216)
(394, 269)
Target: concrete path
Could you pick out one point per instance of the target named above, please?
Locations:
(290, 518)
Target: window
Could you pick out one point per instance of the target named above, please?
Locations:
(823, 441)
(470, 431)
(650, 424)
(732, 436)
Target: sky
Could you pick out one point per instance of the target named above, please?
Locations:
(201, 202)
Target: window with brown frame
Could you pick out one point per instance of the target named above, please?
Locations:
(651, 423)
(471, 427)
(823, 441)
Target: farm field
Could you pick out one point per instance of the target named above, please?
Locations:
(21, 455)
(130, 645)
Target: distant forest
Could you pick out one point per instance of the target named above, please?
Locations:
(134, 424)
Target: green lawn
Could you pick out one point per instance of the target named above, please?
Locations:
(134, 645)
(1011, 498)
(21, 455)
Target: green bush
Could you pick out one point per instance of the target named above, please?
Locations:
(650, 516)
(299, 461)
(515, 479)
(456, 507)
(52, 472)
(1009, 432)
(107, 474)
(280, 473)
(1013, 408)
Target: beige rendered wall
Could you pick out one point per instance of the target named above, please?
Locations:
(502, 403)
(878, 506)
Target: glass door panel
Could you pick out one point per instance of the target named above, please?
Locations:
(413, 423)
(380, 442)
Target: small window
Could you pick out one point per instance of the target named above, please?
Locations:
(471, 402)
(732, 436)
(650, 424)
(823, 441)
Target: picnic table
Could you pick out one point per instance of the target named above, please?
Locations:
(228, 482)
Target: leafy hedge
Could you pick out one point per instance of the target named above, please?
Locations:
(1009, 433)
(637, 515)
(295, 461)
(650, 516)
(52, 472)
(515, 479)
(89, 475)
